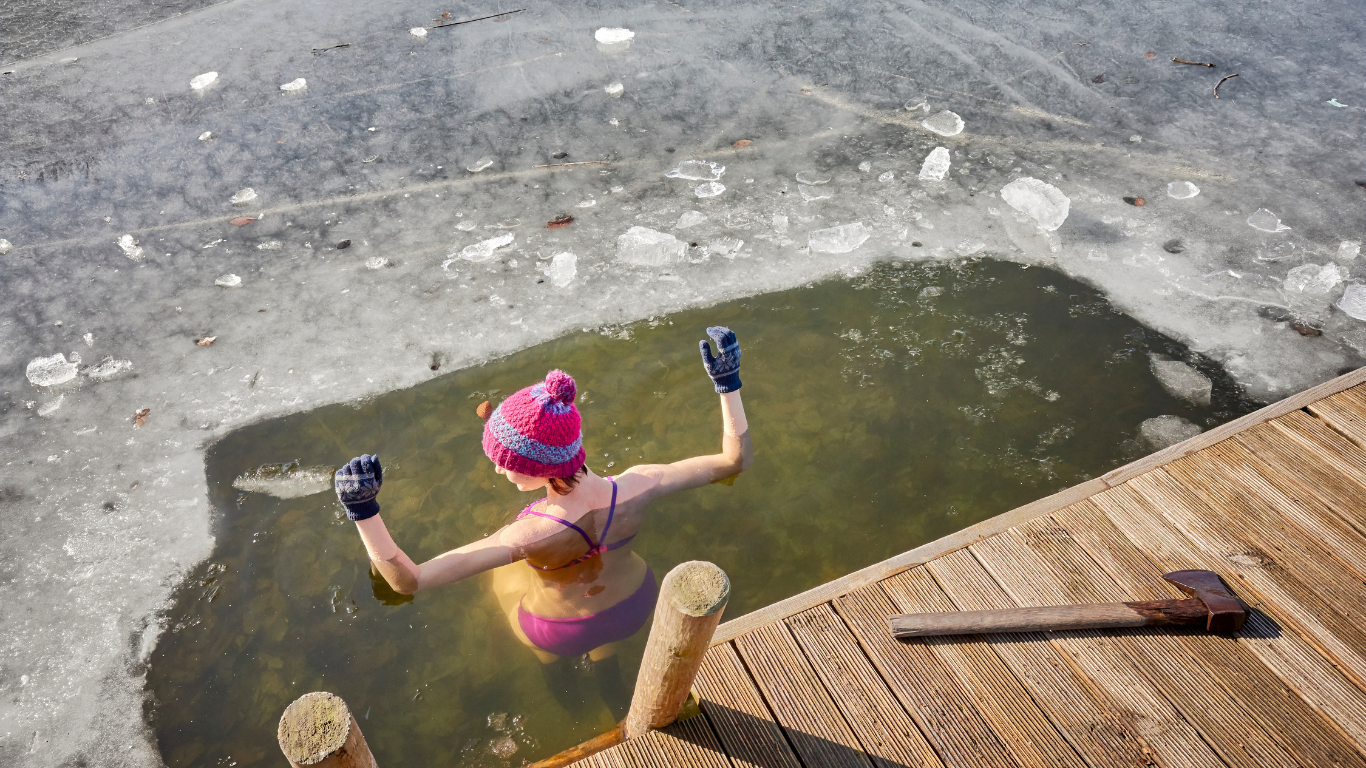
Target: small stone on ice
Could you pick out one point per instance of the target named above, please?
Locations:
(1044, 203)
(813, 178)
(611, 35)
(936, 165)
(206, 135)
(1313, 279)
(697, 170)
(483, 251)
(6, 246)
(865, 166)
(812, 194)
(886, 177)
(480, 164)
(295, 85)
(130, 247)
(50, 371)
(709, 189)
(1182, 381)
(841, 239)
(945, 123)
(1165, 431)
(418, 32)
(1353, 301)
(376, 262)
(1182, 190)
(690, 219)
(228, 281)
(1348, 250)
(243, 196)
(200, 82)
(563, 268)
(1266, 221)
(615, 89)
(650, 248)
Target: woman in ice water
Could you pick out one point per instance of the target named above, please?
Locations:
(582, 589)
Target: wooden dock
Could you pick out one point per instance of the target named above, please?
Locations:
(1274, 502)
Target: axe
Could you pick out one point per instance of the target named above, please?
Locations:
(1211, 603)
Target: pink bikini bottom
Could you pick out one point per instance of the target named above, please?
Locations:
(577, 635)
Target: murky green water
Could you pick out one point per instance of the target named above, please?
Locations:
(886, 411)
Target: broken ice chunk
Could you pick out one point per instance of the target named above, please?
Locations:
(969, 247)
(51, 406)
(930, 291)
(726, 246)
(563, 268)
(945, 123)
(206, 135)
(1313, 279)
(614, 89)
(1348, 250)
(130, 247)
(1266, 221)
(297, 84)
(812, 178)
(697, 170)
(483, 250)
(650, 248)
(587, 203)
(936, 165)
(1044, 203)
(228, 281)
(886, 177)
(1182, 381)
(50, 371)
(690, 219)
(1182, 190)
(812, 194)
(613, 35)
(709, 189)
(285, 481)
(243, 196)
(270, 245)
(1164, 431)
(779, 223)
(841, 239)
(1353, 301)
(6, 246)
(480, 164)
(376, 262)
(200, 82)
(108, 369)
(418, 32)
(466, 226)
(865, 166)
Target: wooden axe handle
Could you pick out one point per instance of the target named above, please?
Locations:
(1051, 618)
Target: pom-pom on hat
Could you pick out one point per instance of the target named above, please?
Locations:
(536, 430)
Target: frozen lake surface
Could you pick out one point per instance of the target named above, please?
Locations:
(128, 239)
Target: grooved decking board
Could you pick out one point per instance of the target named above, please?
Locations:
(887, 733)
(815, 728)
(736, 709)
(1272, 592)
(1007, 707)
(1345, 412)
(930, 693)
(1328, 464)
(1299, 728)
(690, 742)
(1090, 721)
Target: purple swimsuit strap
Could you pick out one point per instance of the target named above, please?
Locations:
(593, 549)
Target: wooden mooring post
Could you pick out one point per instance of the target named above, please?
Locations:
(691, 600)
(318, 730)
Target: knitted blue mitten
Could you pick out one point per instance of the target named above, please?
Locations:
(724, 369)
(357, 485)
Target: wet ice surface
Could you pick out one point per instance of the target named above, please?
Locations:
(88, 159)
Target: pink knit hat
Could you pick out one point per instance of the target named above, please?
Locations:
(536, 430)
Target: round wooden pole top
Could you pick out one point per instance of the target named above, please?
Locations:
(314, 727)
(697, 588)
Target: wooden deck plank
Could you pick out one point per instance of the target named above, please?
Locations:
(736, 710)
(812, 723)
(1304, 731)
(1040, 564)
(1332, 466)
(932, 696)
(1091, 722)
(690, 742)
(1008, 708)
(886, 732)
(1345, 412)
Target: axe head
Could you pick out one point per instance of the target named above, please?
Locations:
(1226, 612)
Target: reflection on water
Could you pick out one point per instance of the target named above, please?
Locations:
(887, 411)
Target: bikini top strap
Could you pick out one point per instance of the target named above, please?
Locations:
(587, 539)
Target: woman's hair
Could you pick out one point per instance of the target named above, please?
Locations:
(563, 485)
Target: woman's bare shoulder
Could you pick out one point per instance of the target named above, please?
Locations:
(640, 479)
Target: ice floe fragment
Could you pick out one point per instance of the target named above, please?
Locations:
(1266, 221)
(563, 268)
(650, 248)
(886, 177)
(812, 194)
(726, 246)
(377, 262)
(50, 371)
(865, 166)
(1314, 279)
(108, 369)
(1348, 250)
(228, 281)
(1165, 431)
(200, 82)
(1042, 202)
(130, 247)
(418, 32)
(206, 135)
(466, 226)
(1182, 381)
(813, 178)
(298, 84)
(945, 123)
(936, 165)
(697, 170)
(841, 239)
(614, 89)
(5, 246)
(480, 164)
(709, 189)
(243, 196)
(1353, 301)
(483, 251)
(613, 35)
(270, 245)
(51, 406)
(690, 219)
(285, 481)
(1182, 190)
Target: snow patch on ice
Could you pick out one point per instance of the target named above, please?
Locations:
(1040, 201)
(841, 239)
